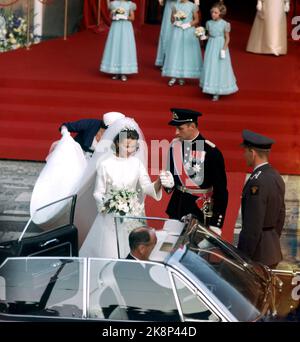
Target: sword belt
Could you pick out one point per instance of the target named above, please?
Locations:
(193, 191)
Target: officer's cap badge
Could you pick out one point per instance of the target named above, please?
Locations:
(175, 116)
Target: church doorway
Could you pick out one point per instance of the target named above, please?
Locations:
(237, 9)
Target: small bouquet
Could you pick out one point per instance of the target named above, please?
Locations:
(200, 33)
(119, 13)
(179, 16)
(120, 10)
(122, 202)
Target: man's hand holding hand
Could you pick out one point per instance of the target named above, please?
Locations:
(167, 179)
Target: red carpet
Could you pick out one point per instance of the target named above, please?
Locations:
(59, 81)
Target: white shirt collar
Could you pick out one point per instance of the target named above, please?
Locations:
(134, 257)
(141, 261)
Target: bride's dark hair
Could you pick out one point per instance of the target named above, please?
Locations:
(127, 133)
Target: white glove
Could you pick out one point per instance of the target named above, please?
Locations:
(259, 5)
(185, 26)
(121, 17)
(222, 54)
(177, 23)
(216, 230)
(64, 130)
(286, 6)
(166, 179)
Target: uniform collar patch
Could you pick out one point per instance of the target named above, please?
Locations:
(254, 190)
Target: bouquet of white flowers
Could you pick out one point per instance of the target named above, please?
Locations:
(122, 202)
(200, 32)
(179, 15)
(119, 13)
(119, 10)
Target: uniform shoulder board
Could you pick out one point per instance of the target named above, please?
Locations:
(210, 143)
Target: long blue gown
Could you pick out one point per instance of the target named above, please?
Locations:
(217, 77)
(183, 56)
(165, 33)
(119, 55)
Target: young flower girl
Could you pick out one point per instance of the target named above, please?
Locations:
(183, 56)
(119, 57)
(165, 30)
(217, 77)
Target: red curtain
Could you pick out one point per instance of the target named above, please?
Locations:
(90, 13)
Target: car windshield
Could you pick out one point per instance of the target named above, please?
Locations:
(242, 291)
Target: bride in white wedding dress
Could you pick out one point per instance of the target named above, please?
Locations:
(68, 172)
(122, 166)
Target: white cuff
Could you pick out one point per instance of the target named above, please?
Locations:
(259, 5)
(286, 6)
(64, 130)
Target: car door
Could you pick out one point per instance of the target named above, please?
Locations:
(56, 236)
(129, 290)
(46, 288)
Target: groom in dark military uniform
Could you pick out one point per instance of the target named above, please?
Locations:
(263, 207)
(196, 173)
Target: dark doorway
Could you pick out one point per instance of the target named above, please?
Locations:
(154, 12)
(237, 9)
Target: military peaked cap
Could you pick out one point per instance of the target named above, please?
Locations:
(255, 140)
(183, 116)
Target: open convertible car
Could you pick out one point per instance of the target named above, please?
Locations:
(193, 275)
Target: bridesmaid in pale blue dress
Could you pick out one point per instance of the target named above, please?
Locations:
(165, 31)
(119, 57)
(183, 56)
(217, 77)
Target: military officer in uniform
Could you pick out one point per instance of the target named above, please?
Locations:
(263, 207)
(196, 174)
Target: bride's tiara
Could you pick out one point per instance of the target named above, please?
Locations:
(128, 128)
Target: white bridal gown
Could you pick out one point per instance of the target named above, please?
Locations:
(60, 177)
(115, 173)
